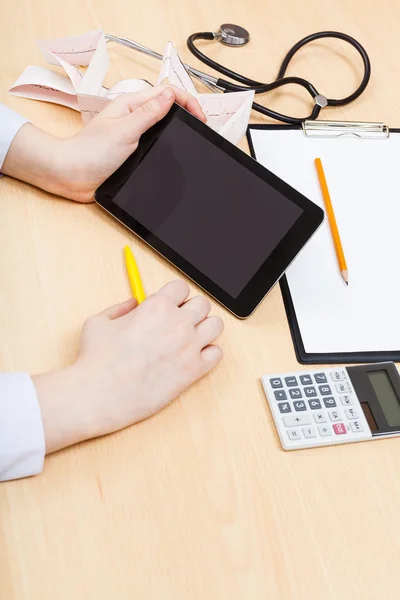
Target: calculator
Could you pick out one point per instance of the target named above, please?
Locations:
(334, 406)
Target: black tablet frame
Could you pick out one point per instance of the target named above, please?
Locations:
(273, 267)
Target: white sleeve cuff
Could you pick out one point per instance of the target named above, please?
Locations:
(10, 123)
(22, 444)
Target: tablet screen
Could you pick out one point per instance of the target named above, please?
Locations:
(210, 209)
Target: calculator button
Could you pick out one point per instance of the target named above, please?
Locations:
(309, 432)
(276, 382)
(310, 392)
(294, 434)
(284, 407)
(329, 402)
(314, 404)
(280, 395)
(295, 393)
(291, 381)
(346, 400)
(306, 379)
(320, 417)
(356, 426)
(325, 430)
(343, 388)
(339, 428)
(320, 378)
(337, 375)
(324, 390)
(299, 405)
(352, 413)
(334, 415)
(296, 420)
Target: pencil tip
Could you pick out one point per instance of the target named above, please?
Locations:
(347, 283)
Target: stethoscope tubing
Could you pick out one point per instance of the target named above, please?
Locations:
(259, 88)
(244, 83)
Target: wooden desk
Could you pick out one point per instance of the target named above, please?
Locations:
(199, 502)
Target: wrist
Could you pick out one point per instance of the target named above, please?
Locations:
(65, 400)
(33, 157)
(47, 162)
(74, 174)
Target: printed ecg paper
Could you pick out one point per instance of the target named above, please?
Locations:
(84, 60)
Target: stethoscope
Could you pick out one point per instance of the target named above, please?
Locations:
(236, 36)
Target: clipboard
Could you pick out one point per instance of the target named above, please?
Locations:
(327, 129)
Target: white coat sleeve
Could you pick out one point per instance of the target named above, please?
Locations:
(22, 445)
(10, 123)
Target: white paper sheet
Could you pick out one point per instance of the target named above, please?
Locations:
(83, 89)
(228, 114)
(173, 71)
(362, 177)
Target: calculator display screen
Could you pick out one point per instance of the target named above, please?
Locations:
(386, 395)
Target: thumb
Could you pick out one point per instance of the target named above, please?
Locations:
(149, 113)
(119, 310)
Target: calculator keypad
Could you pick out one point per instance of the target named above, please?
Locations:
(356, 425)
(314, 404)
(325, 390)
(276, 383)
(320, 417)
(340, 429)
(296, 420)
(330, 402)
(320, 378)
(342, 387)
(334, 415)
(352, 413)
(325, 431)
(346, 400)
(337, 375)
(315, 409)
(299, 405)
(310, 391)
(309, 432)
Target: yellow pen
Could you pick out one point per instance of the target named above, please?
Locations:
(134, 275)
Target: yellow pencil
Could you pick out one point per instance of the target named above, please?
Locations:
(332, 221)
(134, 275)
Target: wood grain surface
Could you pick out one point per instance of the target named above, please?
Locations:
(199, 502)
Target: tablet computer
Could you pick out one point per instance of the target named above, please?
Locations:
(211, 210)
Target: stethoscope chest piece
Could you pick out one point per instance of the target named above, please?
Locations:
(232, 35)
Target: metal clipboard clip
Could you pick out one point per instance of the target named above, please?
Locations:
(334, 129)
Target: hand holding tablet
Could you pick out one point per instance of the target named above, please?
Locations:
(212, 211)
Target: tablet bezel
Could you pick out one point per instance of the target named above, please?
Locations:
(277, 262)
